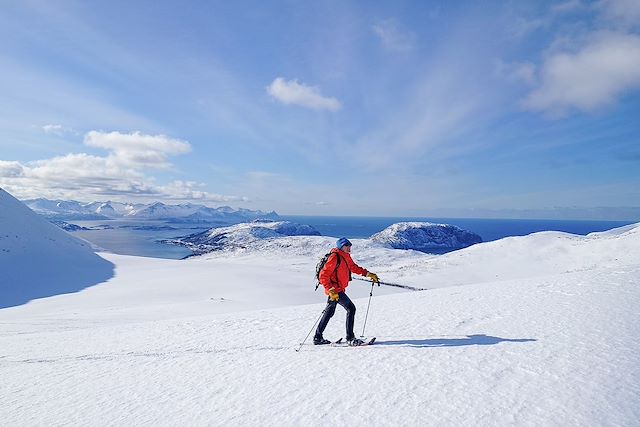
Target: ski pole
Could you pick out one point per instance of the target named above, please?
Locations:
(395, 285)
(368, 305)
(312, 328)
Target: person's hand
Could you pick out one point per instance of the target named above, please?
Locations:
(333, 296)
(374, 277)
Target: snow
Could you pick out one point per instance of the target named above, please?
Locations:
(64, 209)
(425, 236)
(38, 259)
(242, 236)
(533, 330)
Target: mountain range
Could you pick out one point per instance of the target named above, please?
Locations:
(184, 213)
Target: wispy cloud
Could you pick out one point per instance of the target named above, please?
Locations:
(58, 130)
(566, 6)
(591, 78)
(293, 93)
(393, 37)
(122, 172)
(190, 190)
(621, 12)
(440, 116)
(524, 72)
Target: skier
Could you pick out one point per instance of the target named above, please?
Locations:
(335, 277)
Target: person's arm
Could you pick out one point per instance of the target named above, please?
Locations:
(355, 268)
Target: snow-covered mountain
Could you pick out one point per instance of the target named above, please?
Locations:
(112, 209)
(184, 213)
(107, 210)
(426, 236)
(159, 210)
(242, 236)
(38, 259)
(266, 236)
(63, 210)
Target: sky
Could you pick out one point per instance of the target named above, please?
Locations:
(403, 108)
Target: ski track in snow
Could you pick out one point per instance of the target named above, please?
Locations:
(472, 355)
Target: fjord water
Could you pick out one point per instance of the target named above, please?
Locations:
(139, 238)
(142, 238)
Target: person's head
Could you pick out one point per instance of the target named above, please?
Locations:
(343, 244)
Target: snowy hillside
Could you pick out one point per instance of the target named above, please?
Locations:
(534, 330)
(537, 255)
(425, 236)
(249, 235)
(38, 259)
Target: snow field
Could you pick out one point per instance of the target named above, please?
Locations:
(535, 330)
(530, 352)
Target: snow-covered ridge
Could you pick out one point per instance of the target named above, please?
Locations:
(265, 236)
(184, 213)
(242, 236)
(38, 259)
(425, 236)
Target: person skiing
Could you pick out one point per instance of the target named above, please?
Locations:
(335, 277)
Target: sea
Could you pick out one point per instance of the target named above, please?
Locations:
(142, 239)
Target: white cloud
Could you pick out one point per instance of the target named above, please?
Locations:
(53, 129)
(392, 37)
(136, 149)
(294, 93)
(120, 173)
(190, 190)
(589, 79)
(11, 169)
(58, 130)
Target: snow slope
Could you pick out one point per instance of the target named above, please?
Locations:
(536, 255)
(38, 259)
(551, 341)
(242, 236)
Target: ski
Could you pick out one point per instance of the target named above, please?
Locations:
(342, 343)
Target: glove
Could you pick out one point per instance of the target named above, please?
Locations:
(333, 296)
(373, 277)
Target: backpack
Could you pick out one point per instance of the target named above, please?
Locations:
(321, 265)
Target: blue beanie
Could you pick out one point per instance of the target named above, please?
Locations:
(342, 242)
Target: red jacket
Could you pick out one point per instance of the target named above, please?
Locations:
(338, 278)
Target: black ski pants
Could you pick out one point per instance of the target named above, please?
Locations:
(329, 311)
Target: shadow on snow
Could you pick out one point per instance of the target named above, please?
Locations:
(453, 342)
(46, 278)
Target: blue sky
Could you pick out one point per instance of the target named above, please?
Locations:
(326, 108)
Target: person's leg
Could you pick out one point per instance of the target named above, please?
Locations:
(345, 302)
(328, 314)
